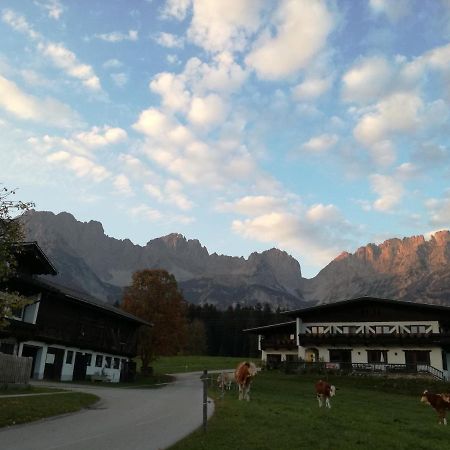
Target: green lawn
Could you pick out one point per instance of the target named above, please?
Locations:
(178, 364)
(16, 410)
(10, 389)
(284, 414)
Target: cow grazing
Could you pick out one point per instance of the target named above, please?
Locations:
(224, 381)
(440, 402)
(243, 375)
(324, 391)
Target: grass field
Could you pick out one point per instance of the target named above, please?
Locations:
(283, 414)
(17, 410)
(10, 389)
(179, 364)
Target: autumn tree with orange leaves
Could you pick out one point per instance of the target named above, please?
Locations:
(154, 297)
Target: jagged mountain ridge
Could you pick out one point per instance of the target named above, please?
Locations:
(105, 264)
(411, 268)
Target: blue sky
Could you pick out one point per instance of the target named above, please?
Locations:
(312, 126)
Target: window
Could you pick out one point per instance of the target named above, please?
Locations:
(116, 363)
(377, 356)
(69, 357)
(108, 362)
(88, 359)
(7, 347)
(99, 361)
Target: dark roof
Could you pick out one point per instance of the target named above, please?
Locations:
(30, 255)
(88, 300)
(337, 304)
(275, 325)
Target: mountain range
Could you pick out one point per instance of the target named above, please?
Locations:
(88, 260)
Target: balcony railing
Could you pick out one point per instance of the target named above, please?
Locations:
(277, 344)
(361, 368)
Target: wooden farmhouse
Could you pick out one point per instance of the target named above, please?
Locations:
(69, 335)
(362, 334)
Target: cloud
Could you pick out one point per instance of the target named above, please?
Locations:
(20, 24)
(311, 88)
(394, 10)
(206, 111)
(81, 166)
(67, 61)
(219, 25)
(389, 190)
(172, 89)
(112, 64)
(120, 79)
(439, 210)
(253, 205)
(100, 137)
(169, 40)
(42, 110)
(302, 27)
(398, 112)
(122, 185)
(117, 36)
(175, 9)
(53, 8)
(320, 143)
(56, 52)
(367, 80)
(148, 213)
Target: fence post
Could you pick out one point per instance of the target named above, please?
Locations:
(205, 399)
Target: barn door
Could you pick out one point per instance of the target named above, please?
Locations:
(80, 366)
(54, 363)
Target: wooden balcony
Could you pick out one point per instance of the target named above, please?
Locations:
(278, 344)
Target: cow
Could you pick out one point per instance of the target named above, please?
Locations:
(243, 375)
(324, 391)
(440, 402)
(224, 381)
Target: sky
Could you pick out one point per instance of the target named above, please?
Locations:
(312, 126)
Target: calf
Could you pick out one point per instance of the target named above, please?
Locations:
(243, 375)
(440, 402)
(224, 381)
(324, 391)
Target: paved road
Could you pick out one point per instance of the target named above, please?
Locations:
(124, 419)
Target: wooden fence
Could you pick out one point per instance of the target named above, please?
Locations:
(15, 369)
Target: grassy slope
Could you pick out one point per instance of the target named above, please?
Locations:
(284, 414)
(20, 390)
(26, 409)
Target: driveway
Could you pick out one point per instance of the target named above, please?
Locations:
(124, 419)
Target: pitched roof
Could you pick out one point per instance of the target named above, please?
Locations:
(31, 255)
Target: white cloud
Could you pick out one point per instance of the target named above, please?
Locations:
(253, 205)
(112, 64)
(53, 8)
(311, 88)
(219, 25)
(367, 80)
(67, 61)
(320, 143)
(383, 153)
(206, 111)
(120, 79)
(172, 89)
(389, 190)
(122, 185)
(117, 36)
(20, 24)
(302, 27)
(81, 166)
(100, 137)
(28, 107)
(148, 213)
(397, 113)
(174, 194)
(394, 9)
(175, 9)
(169, 40)
(439, 210)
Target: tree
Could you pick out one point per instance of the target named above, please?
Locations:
(154, 296)
(196, 338)
(11, 233)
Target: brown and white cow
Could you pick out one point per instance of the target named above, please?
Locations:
(244, 375)
(440, 402)
(324, 391)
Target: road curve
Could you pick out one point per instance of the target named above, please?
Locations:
(124, 419)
